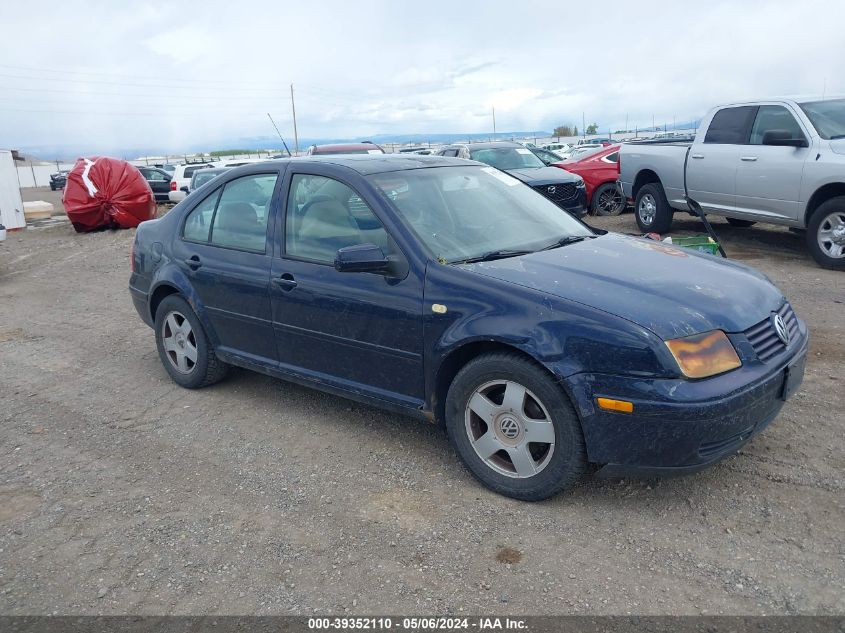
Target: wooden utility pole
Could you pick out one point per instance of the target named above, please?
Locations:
(295, 133)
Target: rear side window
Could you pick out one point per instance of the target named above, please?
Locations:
(189, 171)
(612, 158)
(730, 126)
(241, 218)
(198, 223)
(774, 118)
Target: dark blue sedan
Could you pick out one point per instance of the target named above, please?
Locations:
(448, 290)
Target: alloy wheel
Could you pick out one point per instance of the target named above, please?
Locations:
(831, 235)
(180, 344)
(510, 429)
(647, 209)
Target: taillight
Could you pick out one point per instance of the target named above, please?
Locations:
(173, 185)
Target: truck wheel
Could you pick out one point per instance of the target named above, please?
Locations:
(654, 215)
(826, 234)
(183, 347)
(740, 223)
(514, 427)
(607, 200)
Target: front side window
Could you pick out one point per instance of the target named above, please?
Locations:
(730, 126)
(324, 215)
(507, 157)
(154, 174)
(241, 217)
(774, 118)
(465, 212)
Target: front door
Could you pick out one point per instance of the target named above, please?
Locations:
(224, 250)
(358, 330)
(768, 179)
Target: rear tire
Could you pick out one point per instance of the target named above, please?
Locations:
(514, 427)
(826, 234)
(607, 200)
(183, 346)
(740, 223)
(652, 210)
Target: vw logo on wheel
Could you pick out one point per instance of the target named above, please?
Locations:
(509, 427)
(552, 189)
(780, 328)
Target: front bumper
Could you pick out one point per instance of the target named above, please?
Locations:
(679, 426)
(575, 206)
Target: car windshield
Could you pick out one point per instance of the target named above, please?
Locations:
(468, 211)
(828, 117)
(506, 157)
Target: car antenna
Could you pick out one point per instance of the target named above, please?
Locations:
(280, 134)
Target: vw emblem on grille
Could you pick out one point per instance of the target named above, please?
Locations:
(510, 428)
(551, 189)
(780, 328)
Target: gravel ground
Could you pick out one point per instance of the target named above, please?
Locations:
(122, 493)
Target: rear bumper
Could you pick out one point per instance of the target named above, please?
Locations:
(680, 427)
(140, 300)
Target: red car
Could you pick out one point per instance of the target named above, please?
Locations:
(599, 170)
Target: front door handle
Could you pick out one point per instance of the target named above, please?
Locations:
(697, 155)
(749, 159)
(286, 282)
(193, 262)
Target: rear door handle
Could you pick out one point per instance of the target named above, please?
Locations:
(286, 282)
(697, 155)
(749, 159)
(193, 262)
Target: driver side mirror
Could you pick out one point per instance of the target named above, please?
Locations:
(783, 138)
(361, 258)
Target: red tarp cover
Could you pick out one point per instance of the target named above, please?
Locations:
(107, 193)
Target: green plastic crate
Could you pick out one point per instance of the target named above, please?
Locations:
(703, 243)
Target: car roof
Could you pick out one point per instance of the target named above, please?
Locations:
(488, 144)
(365, 164)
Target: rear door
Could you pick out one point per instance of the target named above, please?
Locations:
(224, 249)
(712, 162)
(768, 180)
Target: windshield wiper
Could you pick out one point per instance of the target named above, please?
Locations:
(833, 138)
(491, 255)
(564, 241)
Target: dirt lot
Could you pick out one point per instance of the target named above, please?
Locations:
(122, 493)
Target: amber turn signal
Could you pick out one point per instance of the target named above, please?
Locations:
(703, 355)
(609, 404)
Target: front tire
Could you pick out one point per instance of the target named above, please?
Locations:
(514, 427)
(826, 234)
(607, 200)
(183, 346)
(654, 215)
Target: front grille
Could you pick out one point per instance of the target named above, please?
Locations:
(764, 338)
(558, 193)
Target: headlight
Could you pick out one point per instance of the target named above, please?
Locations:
(703, 355)
(579, 183)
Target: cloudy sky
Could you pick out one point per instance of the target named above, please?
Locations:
(174, 74)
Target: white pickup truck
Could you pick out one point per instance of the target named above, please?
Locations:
(778, 161)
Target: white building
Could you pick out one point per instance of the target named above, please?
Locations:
(11, 205)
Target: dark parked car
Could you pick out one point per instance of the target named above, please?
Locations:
(566, 191)
(159, 182)
(447, 290)
(58, 180)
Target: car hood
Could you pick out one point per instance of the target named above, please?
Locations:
(669, 290)
(542, 175)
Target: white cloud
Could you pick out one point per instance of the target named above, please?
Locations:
(171, 75)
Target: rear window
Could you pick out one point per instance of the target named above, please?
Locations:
(189, 171)
(730, 126)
